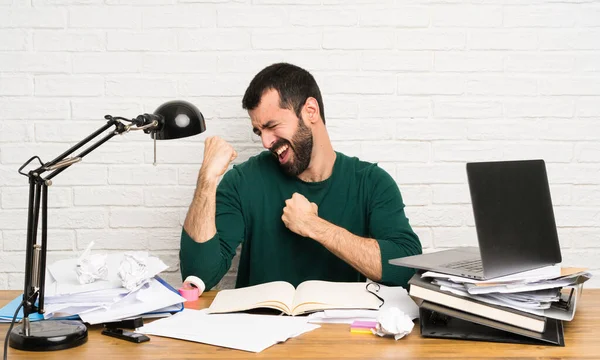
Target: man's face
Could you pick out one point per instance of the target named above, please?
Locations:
(282, 133)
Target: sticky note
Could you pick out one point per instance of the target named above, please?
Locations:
(364, 324)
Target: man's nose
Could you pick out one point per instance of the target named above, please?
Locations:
(268, 140)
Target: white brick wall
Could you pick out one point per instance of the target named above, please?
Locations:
(421, 86)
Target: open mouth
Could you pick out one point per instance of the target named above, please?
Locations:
(282, 153)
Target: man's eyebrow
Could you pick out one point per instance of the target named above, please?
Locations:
(266, 125)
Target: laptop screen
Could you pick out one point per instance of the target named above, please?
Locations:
(513, 214)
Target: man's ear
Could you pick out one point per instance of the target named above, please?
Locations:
(311, 110)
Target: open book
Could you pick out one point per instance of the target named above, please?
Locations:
(310, 296)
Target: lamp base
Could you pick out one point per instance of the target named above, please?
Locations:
(49, 335)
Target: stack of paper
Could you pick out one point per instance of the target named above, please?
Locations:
(535, 292)
(103, 300)
(152, 297)
(236, 331)
(393, 297)
(528, 307)
(342, 316)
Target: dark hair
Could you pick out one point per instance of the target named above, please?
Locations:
(293, 84)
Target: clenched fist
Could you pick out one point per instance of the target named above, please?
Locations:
(218, 154)
(299, 213)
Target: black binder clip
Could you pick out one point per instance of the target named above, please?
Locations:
(564, 304)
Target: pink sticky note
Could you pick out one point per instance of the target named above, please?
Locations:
(364, 324)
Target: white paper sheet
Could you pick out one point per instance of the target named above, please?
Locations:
(397, 296)
(102, 296)
(317, 320)
(502, 302)
(342, 316)
(538, 285)
(149, 298)
(245, 332)
(393, 296)
(548, 311)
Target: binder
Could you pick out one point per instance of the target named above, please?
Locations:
(438, 321)
(423, 289)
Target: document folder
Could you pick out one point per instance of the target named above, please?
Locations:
(8, 311)
(442, 322)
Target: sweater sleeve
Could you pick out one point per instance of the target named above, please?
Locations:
(389, 225)
(211, 260)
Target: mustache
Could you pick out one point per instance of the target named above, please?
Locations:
(278, 144)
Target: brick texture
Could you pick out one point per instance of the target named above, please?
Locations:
(419, 86)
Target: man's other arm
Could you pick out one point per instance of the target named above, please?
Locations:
(392, 236)
(389, 225)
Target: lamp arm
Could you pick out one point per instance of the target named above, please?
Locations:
(35, 256)
(67, 164)
(172, 120)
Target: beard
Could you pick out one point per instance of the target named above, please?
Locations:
(301, 146)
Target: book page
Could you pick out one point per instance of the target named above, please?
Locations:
(316, 295)
(277, 295)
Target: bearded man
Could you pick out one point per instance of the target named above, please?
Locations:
(301, 210)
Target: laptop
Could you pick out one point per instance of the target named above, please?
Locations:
(514, 220)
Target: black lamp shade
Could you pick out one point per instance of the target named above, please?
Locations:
(179, 119)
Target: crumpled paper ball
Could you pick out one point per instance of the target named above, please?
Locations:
(132, 271)
(393, 321)
(91, 267)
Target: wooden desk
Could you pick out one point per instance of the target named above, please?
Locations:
(334, 341)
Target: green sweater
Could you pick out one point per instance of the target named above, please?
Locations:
(359, 197)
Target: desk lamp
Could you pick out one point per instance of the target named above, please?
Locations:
(172, 120)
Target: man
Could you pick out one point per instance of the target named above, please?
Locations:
(300, 210)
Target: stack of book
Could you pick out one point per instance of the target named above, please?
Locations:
(520, 309)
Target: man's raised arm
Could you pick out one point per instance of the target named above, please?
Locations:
(200, 220)
(206, 252)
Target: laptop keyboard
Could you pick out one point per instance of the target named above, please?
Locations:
(470, 265)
